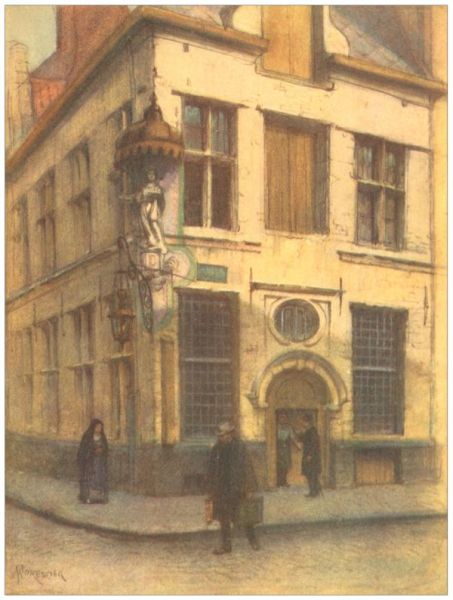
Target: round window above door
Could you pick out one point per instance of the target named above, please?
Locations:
(296, 320)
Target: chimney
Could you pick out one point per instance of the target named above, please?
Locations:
(19, 114)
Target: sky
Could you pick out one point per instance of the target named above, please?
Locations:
(33, 26)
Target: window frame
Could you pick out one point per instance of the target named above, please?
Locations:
(378, 186)
(208, 157)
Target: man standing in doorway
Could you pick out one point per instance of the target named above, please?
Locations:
(311, 459)
(231, 479)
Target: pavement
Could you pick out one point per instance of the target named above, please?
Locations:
(128, 514)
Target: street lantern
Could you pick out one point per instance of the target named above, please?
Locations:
(121, 315)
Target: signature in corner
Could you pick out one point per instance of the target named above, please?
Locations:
(38, 574)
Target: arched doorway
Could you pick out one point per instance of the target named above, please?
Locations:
(297, 392)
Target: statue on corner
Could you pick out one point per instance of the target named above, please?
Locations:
(150, 204)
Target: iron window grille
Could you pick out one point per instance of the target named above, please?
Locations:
(206, 333)
(378, 337)
(209, 164)
(380, 173)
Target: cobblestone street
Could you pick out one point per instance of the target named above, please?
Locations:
(405, 557)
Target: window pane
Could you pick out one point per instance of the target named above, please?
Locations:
(193, 193)
(193, 127)
(221, 196)
(220, 131)
(393, 219)
(394, 166)
(367, 161)
(366, 216)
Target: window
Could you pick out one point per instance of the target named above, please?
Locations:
(21, 238)
(46, 222)
(23, 365)
(81, 197)
(296, 320)
(209, 165)
(119, 181)
(296, 172)
(378, 369)
(122, 387)
(380, 192)
(83, 331)
(49, 373)
(207, 352)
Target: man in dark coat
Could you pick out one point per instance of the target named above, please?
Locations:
(230, 480)
(311, 459)
(92, 462)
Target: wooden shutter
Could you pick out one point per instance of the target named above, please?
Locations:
(290, 35)
(290, 166)
(277, 167)
(375, 467)
(302, 156)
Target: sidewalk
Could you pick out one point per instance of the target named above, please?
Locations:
(128, 514)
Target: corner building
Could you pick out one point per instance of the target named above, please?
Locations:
(302, 210)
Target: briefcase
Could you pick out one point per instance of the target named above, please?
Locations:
(208, 510)
(251, 511)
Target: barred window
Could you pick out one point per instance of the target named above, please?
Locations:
(206, 333)
(378, 369)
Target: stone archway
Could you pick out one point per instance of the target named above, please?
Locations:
(297, 392)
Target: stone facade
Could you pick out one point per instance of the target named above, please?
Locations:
(260, 268)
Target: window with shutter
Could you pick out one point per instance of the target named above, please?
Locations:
(296, 173)
(290, 33)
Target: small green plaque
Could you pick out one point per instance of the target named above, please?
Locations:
(212, 273)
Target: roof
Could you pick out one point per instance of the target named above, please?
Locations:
(381, 35)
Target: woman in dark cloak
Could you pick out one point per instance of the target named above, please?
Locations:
(92, 461)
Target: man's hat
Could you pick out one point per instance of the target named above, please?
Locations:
(226, 427)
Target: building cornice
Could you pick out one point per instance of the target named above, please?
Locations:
(393, 76)
(161, 19)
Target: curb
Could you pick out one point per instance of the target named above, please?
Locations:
(181, 535)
